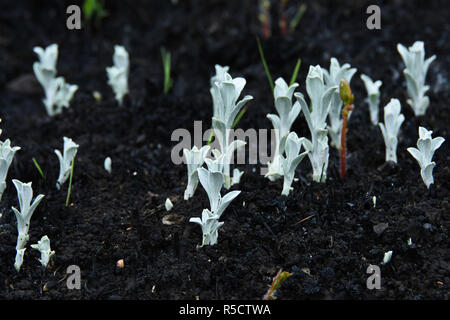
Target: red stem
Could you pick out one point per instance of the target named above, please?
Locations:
(345, 112)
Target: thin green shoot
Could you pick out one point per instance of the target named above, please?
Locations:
(97, 7)
(165, 55)
(36, 164)
(295, 74)
(266, 68)
(69, 190)
(298, 16)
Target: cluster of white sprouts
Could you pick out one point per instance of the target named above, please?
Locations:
(325, 103)
(212, 165)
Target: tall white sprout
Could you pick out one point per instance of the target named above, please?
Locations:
(25, 195)
(426, 146)
(415, 74)
(58, 93)
(225, 94)
(291, 161)
(393, 120)
(333, 78)
(66, 160)
(373, 97)
(287, 113)
(194, 160)
(6, 158)
(321, 101)
(118, 73)
(212, 182)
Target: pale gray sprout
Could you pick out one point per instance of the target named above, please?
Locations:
(212, 182)
(225, 95)
(210, 225)
(43, 246)
(332, 78)
(66, 160)
(118, 73)
(393, 120)
(426, 146)
(194, 160)
(25, 195)
(57, 91)
(291, 161)
(321, 100)
(6, 156)
(287, 113)
(415, 74)
(373, 97)
(107, 164)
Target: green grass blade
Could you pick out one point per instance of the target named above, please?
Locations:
(298, 16)
(240, 115)
(263, 59)
(36, 164)
(295, 74)
(70, 183)
(165, 55)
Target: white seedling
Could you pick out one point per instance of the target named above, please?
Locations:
(58, 93)
(194, 160)
(415, 74)
(210, 226)
(387, 257)
(25, 195)
(426, 146)
(66, 160)
(291, 161)
(321, 101)
(225, 95)
(373, 97)
(118, 73)
(212, 182)
(6, 157)
(332, 78)
(43, 246)
(168, 204)
(287, 113)
(393, 120)
(107, 165)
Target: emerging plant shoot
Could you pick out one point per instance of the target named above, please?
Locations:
(333, 78)
(57, 91)
(6, 157)
(25, 195)
(225, 94)
(291, 161)
(210, 226)
(66, 160)
(393, 120)
(321, 101)
(415, 74)
(373, 97)
(118, 73)
(347, 99)
(43, 246)
(426, 146)
(212, 182)
(194, 160)
(287, 113)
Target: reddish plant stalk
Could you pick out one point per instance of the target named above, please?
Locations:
(345, 112)
(283, 22)
(264, 18)
(276, 284)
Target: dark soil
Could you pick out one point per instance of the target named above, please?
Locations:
(119, 216)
